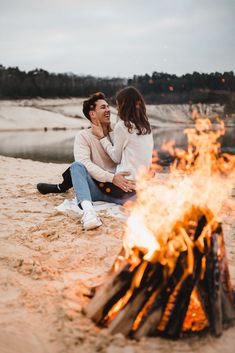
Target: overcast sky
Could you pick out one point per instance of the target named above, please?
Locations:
(118, 37)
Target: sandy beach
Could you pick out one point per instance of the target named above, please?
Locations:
(48, 263)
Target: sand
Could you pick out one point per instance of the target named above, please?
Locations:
(48, 262)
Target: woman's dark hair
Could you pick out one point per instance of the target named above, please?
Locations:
(132, 110)
(89, 104)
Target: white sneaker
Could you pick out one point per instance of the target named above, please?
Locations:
(90, 220)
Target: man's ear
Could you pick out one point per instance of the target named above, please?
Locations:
(94, 119)
(91, 114)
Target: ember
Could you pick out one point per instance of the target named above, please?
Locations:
(172, 277)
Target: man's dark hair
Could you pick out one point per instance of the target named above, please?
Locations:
(89, 104)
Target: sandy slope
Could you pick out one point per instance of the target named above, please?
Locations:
(43, 113)
(47, 263)
(67, 113)
(40, 113)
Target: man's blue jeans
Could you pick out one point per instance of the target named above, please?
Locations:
(86, 189)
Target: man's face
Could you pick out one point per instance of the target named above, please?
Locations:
(101, 113)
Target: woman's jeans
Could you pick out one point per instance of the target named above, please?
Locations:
(86, 189)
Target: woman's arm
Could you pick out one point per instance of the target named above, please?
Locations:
(120, 140)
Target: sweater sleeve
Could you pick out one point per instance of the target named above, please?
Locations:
(82, 154)
(120, 139)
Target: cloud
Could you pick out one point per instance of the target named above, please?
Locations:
(118, 38)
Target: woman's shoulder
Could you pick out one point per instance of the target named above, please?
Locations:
(132, 130)
(119, 123)
(120, 126)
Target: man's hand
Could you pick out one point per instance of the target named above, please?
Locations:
(123, 183)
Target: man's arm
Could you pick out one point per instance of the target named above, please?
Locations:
(82, 154)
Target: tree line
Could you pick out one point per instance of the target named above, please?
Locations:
(156, 88)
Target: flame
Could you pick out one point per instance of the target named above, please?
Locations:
(201, 178)
(195, 319)
(169, 146)
(164, 220)
(143, 237)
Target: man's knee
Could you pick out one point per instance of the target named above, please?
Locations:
(78, 166)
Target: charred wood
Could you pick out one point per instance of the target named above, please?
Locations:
(182, 299)
(110, 292)
(210, 287)
(154, 314)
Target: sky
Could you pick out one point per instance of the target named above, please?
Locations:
(118, 38)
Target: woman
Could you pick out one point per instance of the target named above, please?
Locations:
(131, 143)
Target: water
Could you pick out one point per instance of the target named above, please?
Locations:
(57, 146)
(176, 133)
(48, 146)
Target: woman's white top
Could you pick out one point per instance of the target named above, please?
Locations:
(129, 150)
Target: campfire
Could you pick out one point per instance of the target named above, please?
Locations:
(171, 277)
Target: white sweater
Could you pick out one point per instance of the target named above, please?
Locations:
(89, 151)
(129, 150)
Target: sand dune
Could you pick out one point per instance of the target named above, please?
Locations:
(38, 114)
(43, 113)
(67, 113)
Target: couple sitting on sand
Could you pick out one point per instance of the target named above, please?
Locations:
(106, 161)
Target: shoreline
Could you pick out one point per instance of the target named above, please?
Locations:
(44, 129)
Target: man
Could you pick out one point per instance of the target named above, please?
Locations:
(93, 174)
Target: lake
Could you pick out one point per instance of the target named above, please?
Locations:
(57, 146)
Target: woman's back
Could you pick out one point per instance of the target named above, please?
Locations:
(128, 149)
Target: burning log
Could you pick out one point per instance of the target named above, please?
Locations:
(150, 297)
(215, 288)
(158, 302)
(105, 296)
(185, 287)
(123, 322)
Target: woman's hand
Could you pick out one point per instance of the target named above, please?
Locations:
(97, 130)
